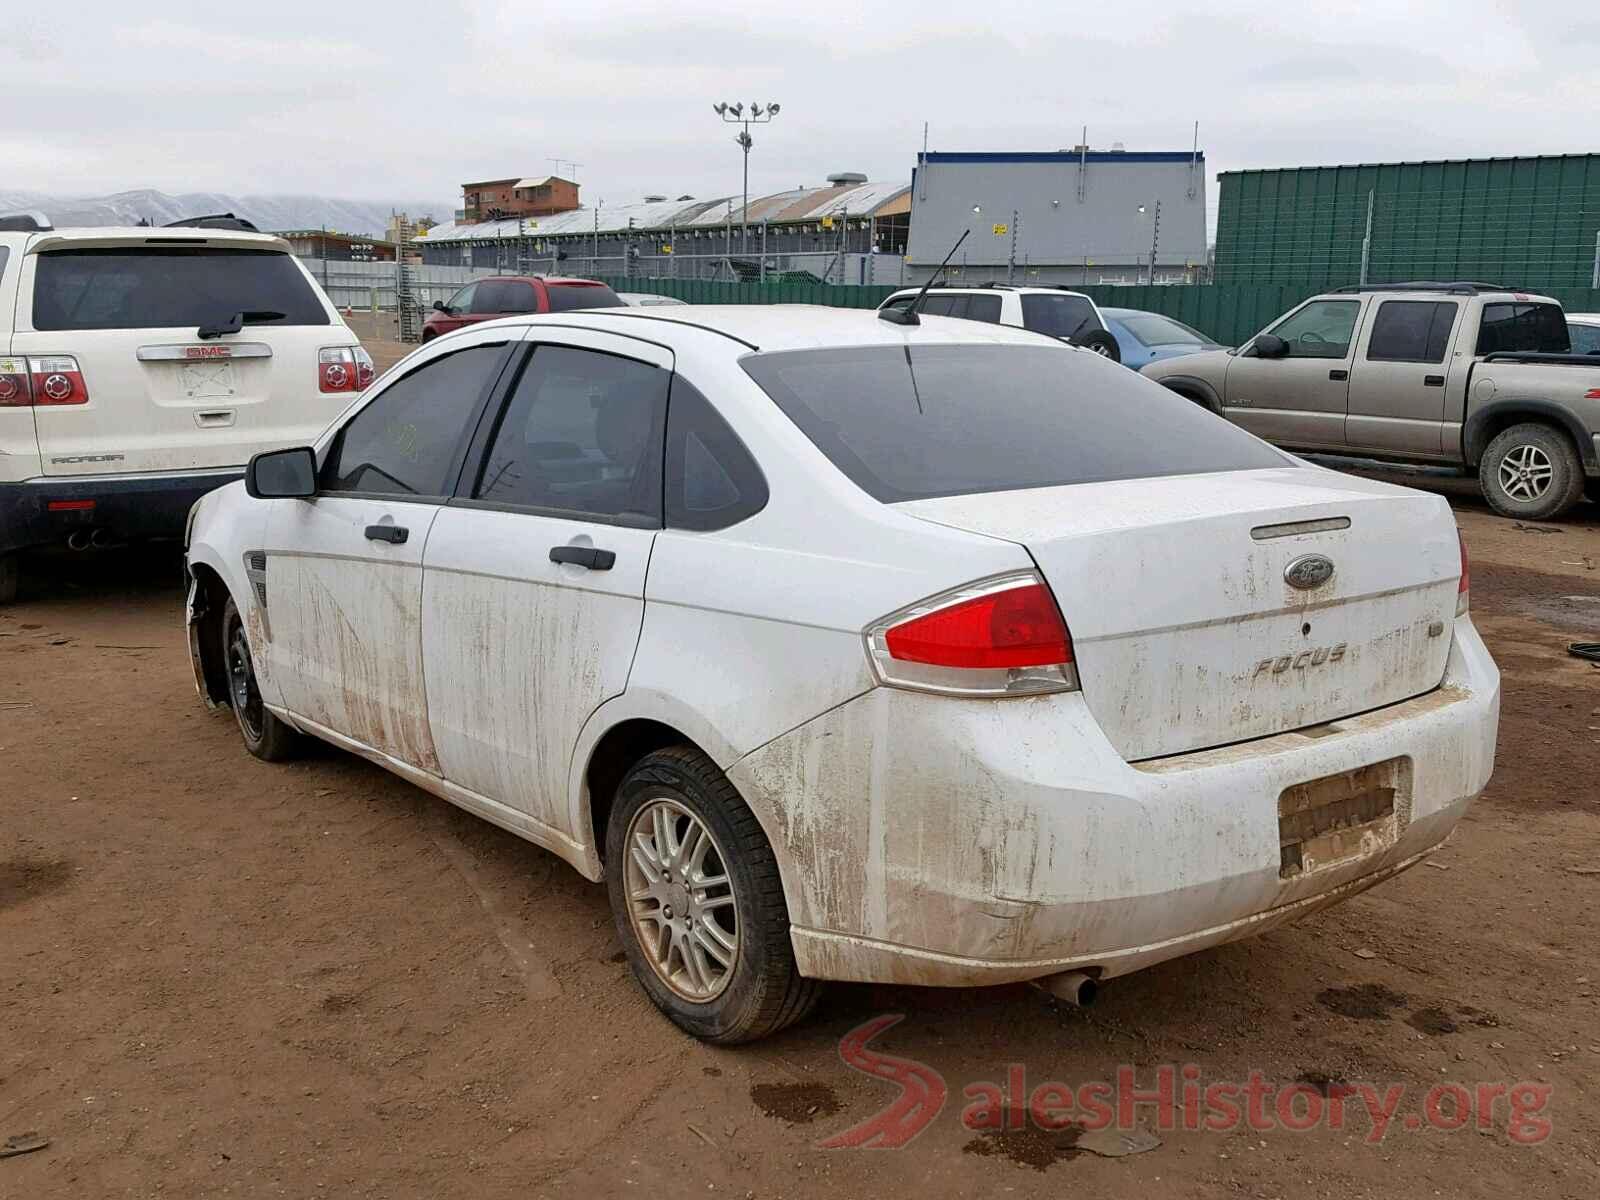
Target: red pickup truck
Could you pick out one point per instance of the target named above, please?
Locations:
(501, 295)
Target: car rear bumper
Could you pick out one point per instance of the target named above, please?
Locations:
(927, 840)
(46, 510)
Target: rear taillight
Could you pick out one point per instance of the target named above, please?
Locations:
(15, 389)
(998, 637)
(344, 369)
(57, 380)
(1462, 589)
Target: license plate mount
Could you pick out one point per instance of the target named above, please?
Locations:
(1331, 821)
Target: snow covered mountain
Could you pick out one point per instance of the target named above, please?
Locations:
(268, 212)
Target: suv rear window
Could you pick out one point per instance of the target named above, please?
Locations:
(910, 423)
(149, 287)
(1061, 316)
(1523, 327)
(564, 297)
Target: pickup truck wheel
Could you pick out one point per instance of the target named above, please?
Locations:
(268, 738)
(10, 575)
(1531, 471)
(698, 902)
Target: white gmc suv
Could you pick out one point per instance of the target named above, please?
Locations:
(142, 367)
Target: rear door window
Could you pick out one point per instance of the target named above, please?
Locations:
(907, 423)
(582, 433)
(564, 297)
(163, 287)
(945, 305)
(1523, 327)
(489, 298)
(1059, 316)
(1412, 331)
(984, 308)
(519, 297)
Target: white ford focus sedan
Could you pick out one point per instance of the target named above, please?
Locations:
(937, 654)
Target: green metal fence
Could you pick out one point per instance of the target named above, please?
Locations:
(1230, 313)
(1518, 221)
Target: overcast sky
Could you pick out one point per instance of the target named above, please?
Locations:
(398, 100)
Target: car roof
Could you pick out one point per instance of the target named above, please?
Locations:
(89, 236)
(989, 288)
(1584, 318)
(772, 327)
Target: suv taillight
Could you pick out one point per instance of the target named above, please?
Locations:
(997, 637)
(57, 380)
(344, 369)
(1462, 589)
(15, 389)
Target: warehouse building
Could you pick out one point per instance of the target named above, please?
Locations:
(1066, 217)
(1523, 222)
(847, 230)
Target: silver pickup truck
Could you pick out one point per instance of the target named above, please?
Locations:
(1467, 374)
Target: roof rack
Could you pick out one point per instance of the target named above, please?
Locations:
(213, 221)
(31, 221)
(1460, 288)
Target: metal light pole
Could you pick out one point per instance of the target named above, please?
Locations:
(734, 114)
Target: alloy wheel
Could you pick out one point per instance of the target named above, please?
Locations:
(681, 900)
(1525, 472)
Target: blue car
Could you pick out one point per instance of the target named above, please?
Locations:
(1147, 337)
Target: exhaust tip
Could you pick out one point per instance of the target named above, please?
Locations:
(1077, 988)
(78, 540)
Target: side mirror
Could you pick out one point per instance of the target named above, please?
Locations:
(282, 475)
(1270, 345)
(441, 306)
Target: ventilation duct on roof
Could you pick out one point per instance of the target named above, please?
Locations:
(846, 177)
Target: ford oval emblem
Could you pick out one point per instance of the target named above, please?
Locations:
(1308, 571)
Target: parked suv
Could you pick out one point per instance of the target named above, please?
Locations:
(1469, 374)
(503, 295)
(1070, 316)
(140, 368)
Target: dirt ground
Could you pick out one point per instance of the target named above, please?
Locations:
(222, 977)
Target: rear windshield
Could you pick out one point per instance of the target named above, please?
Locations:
(1523, 327)
(564, 297)
(1063, 316)
(147, 287)
(910, 423)
(1152, 329)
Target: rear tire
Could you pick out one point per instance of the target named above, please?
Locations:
(265, 736)
(689, 868)
(10, 577)
(1531, 471)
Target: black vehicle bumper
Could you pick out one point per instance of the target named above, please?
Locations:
(42, 511)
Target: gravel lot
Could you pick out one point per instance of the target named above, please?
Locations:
(223, 977)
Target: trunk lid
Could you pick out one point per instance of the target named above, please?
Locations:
(1187, 633)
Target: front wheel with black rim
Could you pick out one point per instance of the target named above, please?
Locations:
(698, 902)
(10, 577)
(1531, 471)
(264, 735)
